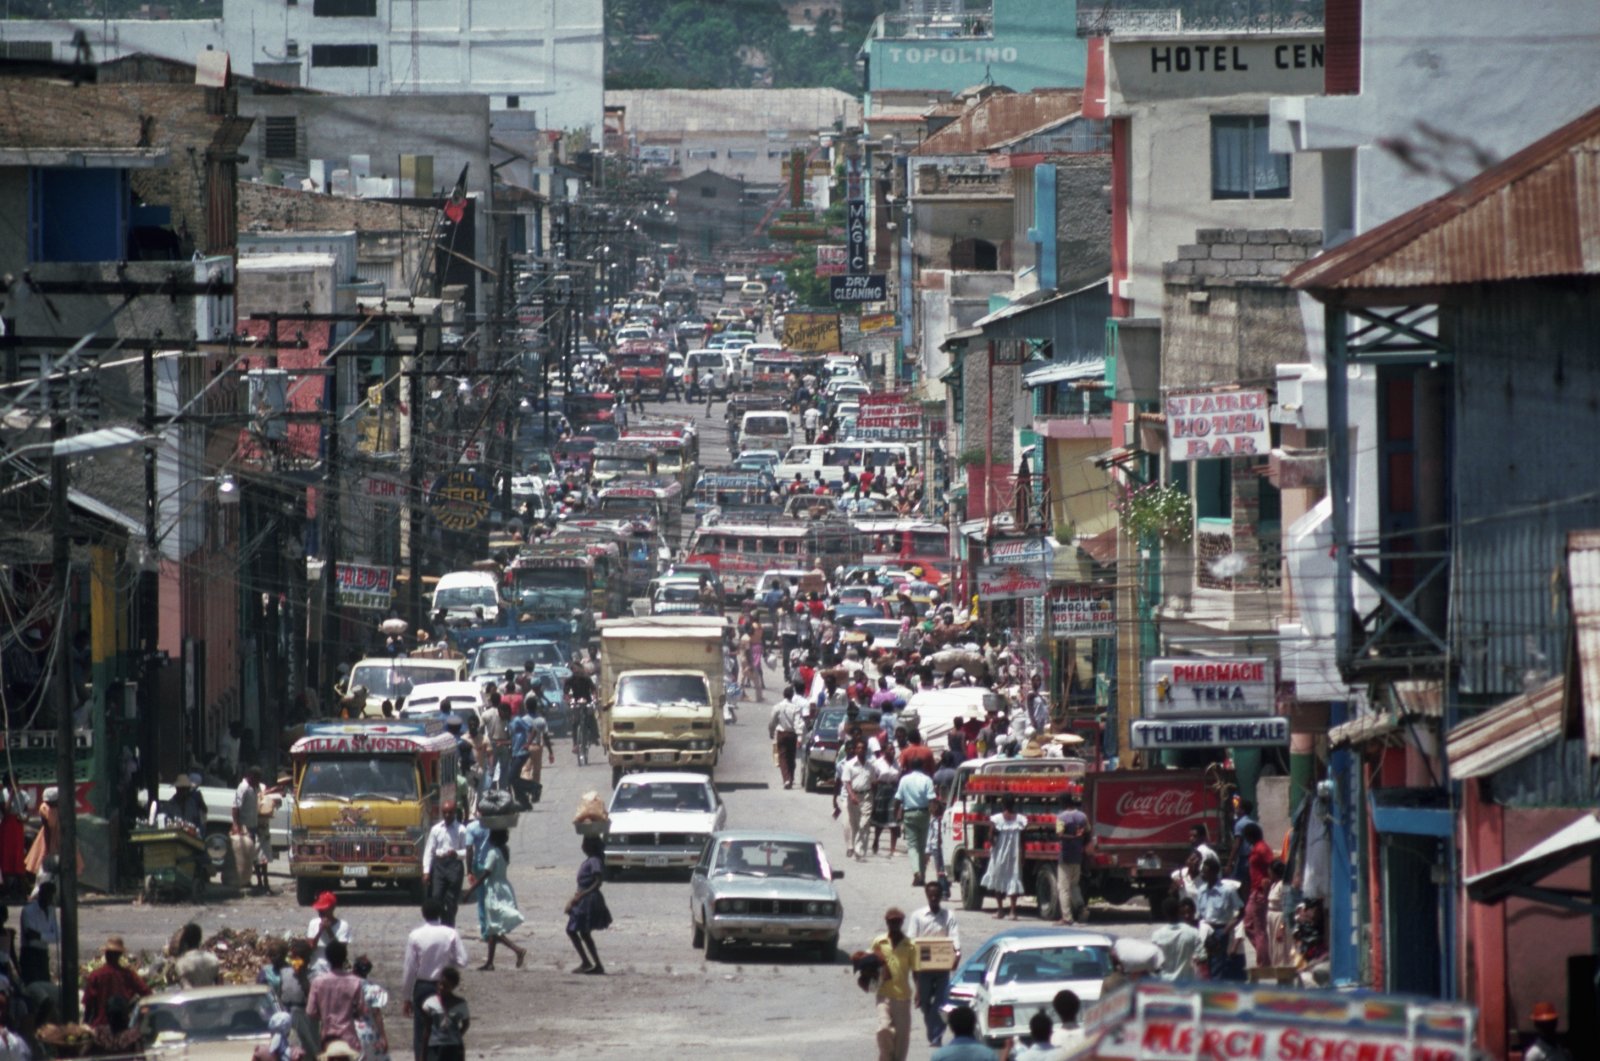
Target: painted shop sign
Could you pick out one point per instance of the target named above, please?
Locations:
(1154, 735)
(1212, 426)
(1210, 687)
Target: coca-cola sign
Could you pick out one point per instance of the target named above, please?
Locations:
(1161, 803)
(1150, 809)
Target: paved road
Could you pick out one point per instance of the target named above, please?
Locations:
(661, 997)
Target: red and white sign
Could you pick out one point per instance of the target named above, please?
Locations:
(1150, 809)
(832, 258)
(1009, 581)
(365, 586)
(357, 743)
(1082, 610)
(1171, 1040)
(1212, 426)
(1221, 688)
(381, 489)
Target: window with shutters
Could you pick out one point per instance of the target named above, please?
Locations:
(344, 8)
(344, 55)
(279, 137)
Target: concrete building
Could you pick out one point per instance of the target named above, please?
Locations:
(948, 45)
(544, 56)
(747, 134)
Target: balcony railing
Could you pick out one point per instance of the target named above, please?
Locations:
(940, 20)
(1111, 18)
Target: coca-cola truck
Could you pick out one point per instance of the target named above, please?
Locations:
(1139, 826)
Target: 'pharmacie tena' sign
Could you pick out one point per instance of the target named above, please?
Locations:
(1196, 687)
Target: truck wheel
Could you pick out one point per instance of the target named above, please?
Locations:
(616, 776)
(1044, 891)
(305, 891)
(697, 937)
(971, 890)
(1155, 897)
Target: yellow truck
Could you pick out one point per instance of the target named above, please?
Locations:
(662, 693)
(366, 794)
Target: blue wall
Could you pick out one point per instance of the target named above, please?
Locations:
(1035, 44)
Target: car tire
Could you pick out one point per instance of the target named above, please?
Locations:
(616, 776)
(971, 890)
(713, 948)
(697, 935)
(808, 779)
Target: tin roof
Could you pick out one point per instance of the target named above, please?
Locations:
(1503, 735)
(1583, 585)
(1536, 214)
(735, 110)
(998, 119)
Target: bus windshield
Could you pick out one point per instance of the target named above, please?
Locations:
(355, 777)
(628, 506)
(551, 588)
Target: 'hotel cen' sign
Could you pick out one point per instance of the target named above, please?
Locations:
(1195, 66)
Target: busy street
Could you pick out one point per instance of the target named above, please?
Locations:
(967, 530)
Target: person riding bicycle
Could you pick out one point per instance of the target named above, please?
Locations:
(580, 690)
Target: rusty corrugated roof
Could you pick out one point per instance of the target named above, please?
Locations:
(1583, 586)
(1535, 214)
(1501, 736)
(1000, 118)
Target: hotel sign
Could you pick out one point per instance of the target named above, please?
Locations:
(1187, 68)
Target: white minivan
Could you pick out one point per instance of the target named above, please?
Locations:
(766, 429)
(461, 593)
(832, 459)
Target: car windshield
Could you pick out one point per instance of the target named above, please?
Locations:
(640, 690)
(621, 464)
(663, 796)
(511, 656)
(244, 1015)
(1041, 965)
(464, 597)
(767, 425)
(389, 681)
(628, 506)
(352, 777)
(679, 594)
(768, 858)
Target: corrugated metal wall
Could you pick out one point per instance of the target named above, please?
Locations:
(1527, 452)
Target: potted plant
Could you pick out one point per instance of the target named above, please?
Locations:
(1159, 510)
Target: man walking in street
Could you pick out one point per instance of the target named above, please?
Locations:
(431, 948)
(783, 727)
(911, 799)
(1072, 831)
(1259, 866)
(855, 781)
(247, 822)
(934, 921)
(444, 863)
(894, 949)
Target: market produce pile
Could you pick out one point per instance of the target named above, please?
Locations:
(240, 951)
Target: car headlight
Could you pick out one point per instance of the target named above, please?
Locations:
(817, 908)
(623, 745)
(700, 745)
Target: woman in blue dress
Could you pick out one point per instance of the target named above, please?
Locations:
(586, 910)
(1004, 876)
(500, 913)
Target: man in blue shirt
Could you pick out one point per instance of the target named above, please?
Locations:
(529, 734)
(963, 1046)
(911, 801)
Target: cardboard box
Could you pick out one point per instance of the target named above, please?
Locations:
(933, 955)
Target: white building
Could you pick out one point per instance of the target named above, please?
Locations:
(1406, 116)
(545, 56)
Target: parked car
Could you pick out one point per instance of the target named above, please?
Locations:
(206, 1023)
(764, 887)
(819, 752)
(1022, 976)
(219, 815)
(662, 820)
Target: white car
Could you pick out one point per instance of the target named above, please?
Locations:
(662, 820)
(1022, 975)
(205, 1023)
(219, 813)
(424, 700)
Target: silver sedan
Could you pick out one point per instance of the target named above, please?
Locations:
(765, 887)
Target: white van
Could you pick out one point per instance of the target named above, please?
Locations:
(460, 593)
(832, 460)
(766, 429)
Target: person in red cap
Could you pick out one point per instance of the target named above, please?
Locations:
(326, 927)
(1546, 1045)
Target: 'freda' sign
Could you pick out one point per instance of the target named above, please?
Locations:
(1197, 687)
(1211, 426)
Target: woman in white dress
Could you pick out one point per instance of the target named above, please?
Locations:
(1004, 875)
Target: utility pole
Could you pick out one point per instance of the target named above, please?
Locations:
(149, 616)
(414, 481)
(332, 531)
(66, 774)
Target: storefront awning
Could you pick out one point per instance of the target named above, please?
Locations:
(1518, 877)
(1045, 373)
(1073, 322)
(1501, 736)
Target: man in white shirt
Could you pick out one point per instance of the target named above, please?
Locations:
(247, 822)
(855, 781)
(811, 418)
(934, 921)
(431, 948)
(325, 928)
(444, 862)
(784, 729)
